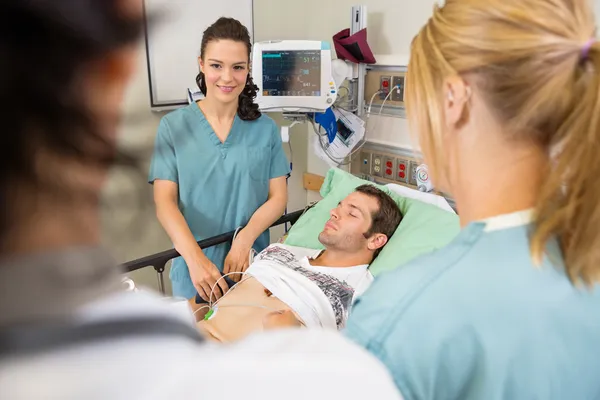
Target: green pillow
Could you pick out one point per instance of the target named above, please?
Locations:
(424, 228)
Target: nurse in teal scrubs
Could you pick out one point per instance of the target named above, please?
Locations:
(505, 98)
(218, 164)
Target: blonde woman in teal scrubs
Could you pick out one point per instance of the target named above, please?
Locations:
(505, 98)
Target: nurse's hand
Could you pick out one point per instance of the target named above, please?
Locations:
(204, 276)
(237, 259)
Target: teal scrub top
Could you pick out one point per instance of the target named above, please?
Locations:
(478, 320)
(221, 185)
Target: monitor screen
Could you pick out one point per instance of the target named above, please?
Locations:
(291, 73)
(343, 131)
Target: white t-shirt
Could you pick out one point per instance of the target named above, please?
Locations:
(294, 364)
(320, 296)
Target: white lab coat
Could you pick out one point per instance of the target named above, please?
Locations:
(293, 364)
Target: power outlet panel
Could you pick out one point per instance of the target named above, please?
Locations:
(402, 166)
(385, 82)
(377, 165)
(398, 94)
(365, 163)
(389, 167)
(412, 178)
(376, 80)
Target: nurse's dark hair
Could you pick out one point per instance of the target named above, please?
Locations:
(536, 65)
(387, 217)
(232, 29)
(45, 47)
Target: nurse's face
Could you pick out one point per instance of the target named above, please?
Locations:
(349, 222)
(225, 67)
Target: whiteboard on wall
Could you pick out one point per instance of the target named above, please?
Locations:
(173, 35)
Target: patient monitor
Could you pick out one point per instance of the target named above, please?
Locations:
(293, 76)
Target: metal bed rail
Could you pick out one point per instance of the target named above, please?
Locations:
(159, 260)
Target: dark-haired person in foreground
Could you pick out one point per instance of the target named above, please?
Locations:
(292, 286)
(218, 164)
(67, 329)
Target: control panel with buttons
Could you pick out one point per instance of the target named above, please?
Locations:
(394, 166)
(332, 91)
(385, 167)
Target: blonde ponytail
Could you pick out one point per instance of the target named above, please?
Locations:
(534, 65)
(569, 205)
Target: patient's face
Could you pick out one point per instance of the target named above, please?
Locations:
(348, 223)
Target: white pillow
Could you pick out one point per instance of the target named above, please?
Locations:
(430, 198)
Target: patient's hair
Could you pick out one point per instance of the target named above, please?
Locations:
(387, 217)
(537, 66)
(232, 29)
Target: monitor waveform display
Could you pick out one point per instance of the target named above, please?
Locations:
(292, 73)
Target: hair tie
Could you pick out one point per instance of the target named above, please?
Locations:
(585, 50)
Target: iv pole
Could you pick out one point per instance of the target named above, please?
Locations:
(359, 71)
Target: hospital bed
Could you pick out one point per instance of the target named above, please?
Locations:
(159, 260)
(429, 223)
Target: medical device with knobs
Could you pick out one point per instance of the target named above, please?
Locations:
(423, 181)
(375, 165)
(300, 79)
(293, 75)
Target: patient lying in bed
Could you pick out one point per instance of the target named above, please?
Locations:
(288, 285)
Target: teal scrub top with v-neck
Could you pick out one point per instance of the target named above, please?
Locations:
(221, 184)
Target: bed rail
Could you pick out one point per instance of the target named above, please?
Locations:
(159, 260)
